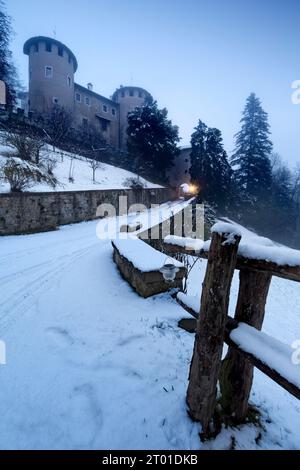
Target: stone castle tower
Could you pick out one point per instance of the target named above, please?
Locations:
(128, 97)
(52, 68)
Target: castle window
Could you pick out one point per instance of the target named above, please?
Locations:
(69, 80)
(123, 94)
(87, 101)
(60, 51)
(78, 97)
(104, 107)
(55, 100)
(131, 93)
(48, 71)
(48, 46)
(84, 122)
(113, 111)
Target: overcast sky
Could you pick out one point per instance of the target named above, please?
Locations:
(200, 59)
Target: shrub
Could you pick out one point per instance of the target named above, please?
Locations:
(23, 146)
(134, 183)
(22, 175)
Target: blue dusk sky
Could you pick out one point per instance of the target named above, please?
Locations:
(200, 59)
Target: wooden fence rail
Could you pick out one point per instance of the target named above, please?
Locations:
(231, 324)
(291, 273)
(213, 327)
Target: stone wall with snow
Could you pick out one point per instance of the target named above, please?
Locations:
(37, 212)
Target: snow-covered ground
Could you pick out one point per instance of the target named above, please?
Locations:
(107, 176)
(92, 365)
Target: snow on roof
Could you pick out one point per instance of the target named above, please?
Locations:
(141, 255)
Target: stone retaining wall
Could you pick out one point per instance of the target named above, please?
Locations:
(37, 212)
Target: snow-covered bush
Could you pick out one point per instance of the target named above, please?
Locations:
(23, 146)
(21, 175)
(134, 183)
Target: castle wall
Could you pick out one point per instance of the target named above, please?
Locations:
(99, 111)
(37, 212)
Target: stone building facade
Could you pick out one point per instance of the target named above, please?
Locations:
(52, 68)
(2, 93)
(180, 172)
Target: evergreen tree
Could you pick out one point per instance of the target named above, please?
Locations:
(282, 214)
(7, 69)
(198, 155)
(152, 138)
(252, 151)
(210, 169)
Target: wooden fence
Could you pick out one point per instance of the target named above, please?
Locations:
(213, 327)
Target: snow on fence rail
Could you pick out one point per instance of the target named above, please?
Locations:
(248, 346)
(278, 261)
(267, 354)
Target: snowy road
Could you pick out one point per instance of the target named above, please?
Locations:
(92, 365)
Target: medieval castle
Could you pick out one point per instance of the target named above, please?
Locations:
(52, 67)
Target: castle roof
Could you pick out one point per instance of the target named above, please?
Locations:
(93, 93)
(37, 39)
(129, 87)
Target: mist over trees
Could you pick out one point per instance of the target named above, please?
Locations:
(257, 187)
(8, 72)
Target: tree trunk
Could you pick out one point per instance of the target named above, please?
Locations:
(237, 372)
(206, 361)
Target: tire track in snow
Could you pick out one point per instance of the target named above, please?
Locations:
(20, 300)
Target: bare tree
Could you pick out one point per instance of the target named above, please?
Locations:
(94, 164)
(58, 125)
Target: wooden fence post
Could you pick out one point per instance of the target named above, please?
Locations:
(207, 355)
(237, 372)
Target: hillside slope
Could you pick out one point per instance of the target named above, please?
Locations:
(107, 176)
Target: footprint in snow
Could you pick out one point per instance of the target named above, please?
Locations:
(59, 337)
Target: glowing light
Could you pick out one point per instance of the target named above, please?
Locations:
(193, 188)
